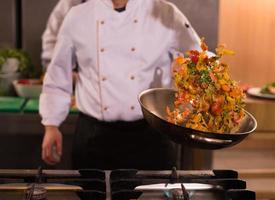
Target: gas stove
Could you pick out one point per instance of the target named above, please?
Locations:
(122, 184)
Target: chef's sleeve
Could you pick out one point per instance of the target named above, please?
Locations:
(185, 37)
(56, 94)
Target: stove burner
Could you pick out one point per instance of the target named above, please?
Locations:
(177, 195)
(180, 194)
(122, 184)
(36, 192)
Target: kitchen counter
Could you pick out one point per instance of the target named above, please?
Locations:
(19, 111)
(21, 137)
(21, 134)
(20, 116)
(264, 111)
(30, 123)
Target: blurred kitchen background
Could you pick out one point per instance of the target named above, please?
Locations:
(246, 26)
(23, 22)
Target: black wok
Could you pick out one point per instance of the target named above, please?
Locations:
(154, 102)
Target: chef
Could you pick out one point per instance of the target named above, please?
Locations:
(122, 47)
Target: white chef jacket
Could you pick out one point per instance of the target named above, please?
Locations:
(119, 54)
(55, 20)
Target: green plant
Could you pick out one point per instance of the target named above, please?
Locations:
(26, 68)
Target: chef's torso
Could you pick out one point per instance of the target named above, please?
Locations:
(121, 54)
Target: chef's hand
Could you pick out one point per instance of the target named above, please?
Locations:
(52, 145)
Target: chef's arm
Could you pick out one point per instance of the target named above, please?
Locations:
(185, 38)
(55, 99)
(57, 85)
(55, 102)
(56, 94)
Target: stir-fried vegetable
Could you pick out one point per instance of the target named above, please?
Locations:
(207, 99)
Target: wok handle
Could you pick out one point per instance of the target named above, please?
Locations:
(210, 140)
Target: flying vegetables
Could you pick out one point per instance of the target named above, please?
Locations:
(207, 99)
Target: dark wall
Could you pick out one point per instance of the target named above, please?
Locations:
(34, 17)
(7, 23)
(23, 150)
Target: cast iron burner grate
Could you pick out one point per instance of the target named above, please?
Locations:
(126, 184)
(225, 185)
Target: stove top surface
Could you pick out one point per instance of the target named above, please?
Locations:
(125, 184)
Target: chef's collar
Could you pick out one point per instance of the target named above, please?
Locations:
(110, 4)
(122, 9)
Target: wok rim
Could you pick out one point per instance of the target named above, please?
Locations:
(194, 130)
